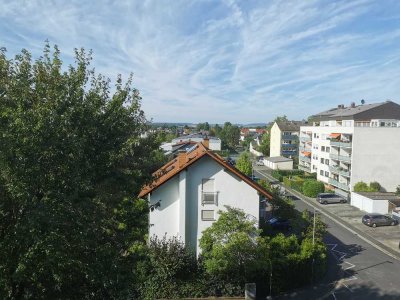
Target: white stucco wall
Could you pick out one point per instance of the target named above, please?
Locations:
(165, 219)
(231, 190)
(275, 141)
(370, 206)
(286, 165)
(376, 156)
(214, 144)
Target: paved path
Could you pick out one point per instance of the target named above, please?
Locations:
(357, 269)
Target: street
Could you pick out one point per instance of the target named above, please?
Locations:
(364, 272)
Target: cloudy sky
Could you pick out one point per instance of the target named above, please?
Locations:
(216, 61)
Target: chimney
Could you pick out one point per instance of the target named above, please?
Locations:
(340, 106)
(206, 142)
(352, 105)
(182, 158)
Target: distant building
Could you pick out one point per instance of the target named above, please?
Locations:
(346, 145)
(284, 138)
(278, 163)
(190, 190)
(214, 142)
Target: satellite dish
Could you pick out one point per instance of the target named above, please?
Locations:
(362, 101)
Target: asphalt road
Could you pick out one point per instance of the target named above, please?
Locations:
(357, 270)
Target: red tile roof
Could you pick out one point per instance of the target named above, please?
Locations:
(186, 159)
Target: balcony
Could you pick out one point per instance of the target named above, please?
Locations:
(305, 158)
(340, 157)
(290, 137)
(340, 144)
(209, 198)
(340, 185)
(304, 168)
(305, 139)
(339, 170)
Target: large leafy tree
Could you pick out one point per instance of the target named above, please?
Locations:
(229, 135)
(71, 160)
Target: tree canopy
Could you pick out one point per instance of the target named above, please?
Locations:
(244, 164)
(71, 160)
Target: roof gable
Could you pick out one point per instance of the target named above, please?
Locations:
(184, 160)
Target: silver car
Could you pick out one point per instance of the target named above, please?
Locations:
(325, 198)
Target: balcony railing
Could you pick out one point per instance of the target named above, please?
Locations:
(305, 158)
(340, 157)
(305, 138)
(304, 168)
(338, 184)
(341, 144)
(209, 198)
(290, 137)
(340, 171)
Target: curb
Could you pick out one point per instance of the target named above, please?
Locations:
(364, 236)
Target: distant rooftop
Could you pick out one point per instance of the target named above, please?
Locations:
(195, 136)
(290, 125)
(380, 196)
(387, 109)
(276, 159)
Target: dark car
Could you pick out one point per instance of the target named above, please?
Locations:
(230, 161)
(374, 220)
(279, 223)
(325, 198)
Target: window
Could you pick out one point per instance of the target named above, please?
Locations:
(323, 148)
(209, 196)
(322, 160)
(327, 162)
(328, 149)
(321, 172)
(326, 174)
(207, 215)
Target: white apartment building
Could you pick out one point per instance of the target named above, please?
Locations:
(346, 145)
(284, 139)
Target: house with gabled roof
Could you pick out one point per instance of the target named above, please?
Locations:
(188, 192)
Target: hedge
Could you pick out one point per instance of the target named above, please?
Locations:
(279, 174)
(312, 187)
(295, 183)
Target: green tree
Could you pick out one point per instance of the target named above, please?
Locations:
(312, 187)
(374, 186)
(71, 157)
(397, 190)
(244, 164)
(203, 126)
(230, 246)
(264, 147)
(229, 135)
(281, 119)
(361, 187)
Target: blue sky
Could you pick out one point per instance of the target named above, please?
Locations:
(216, 61)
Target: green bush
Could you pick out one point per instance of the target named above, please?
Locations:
(295, 183)
(361, 187)
(279, 174)
(374, 186)
(312, 187)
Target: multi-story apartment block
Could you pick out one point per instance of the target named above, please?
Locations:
(346, 145)
(284, 139)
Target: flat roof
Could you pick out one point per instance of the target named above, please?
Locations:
(278, 159)
(379, 196)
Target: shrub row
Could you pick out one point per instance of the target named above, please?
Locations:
(279, 174)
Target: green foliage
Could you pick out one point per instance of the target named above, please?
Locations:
(312, 187)
(264, 147)
(229, 246)
(397, 190)
(71, 157)
(363, 187)
(229, 135)
(294, 182)
(168, 270)
(374, 186)
(203, 126)
(244, 164)
(281, 119)
(279, 174)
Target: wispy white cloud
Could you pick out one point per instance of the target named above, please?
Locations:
(214, 61)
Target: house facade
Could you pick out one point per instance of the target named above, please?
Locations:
(191, 189)
(346, 145)
(284, 138)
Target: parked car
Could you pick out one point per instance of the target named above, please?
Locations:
(279, 223)
(255, 178)
(230, 161)
(259, 163)
(325, 198)
(374, 220)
